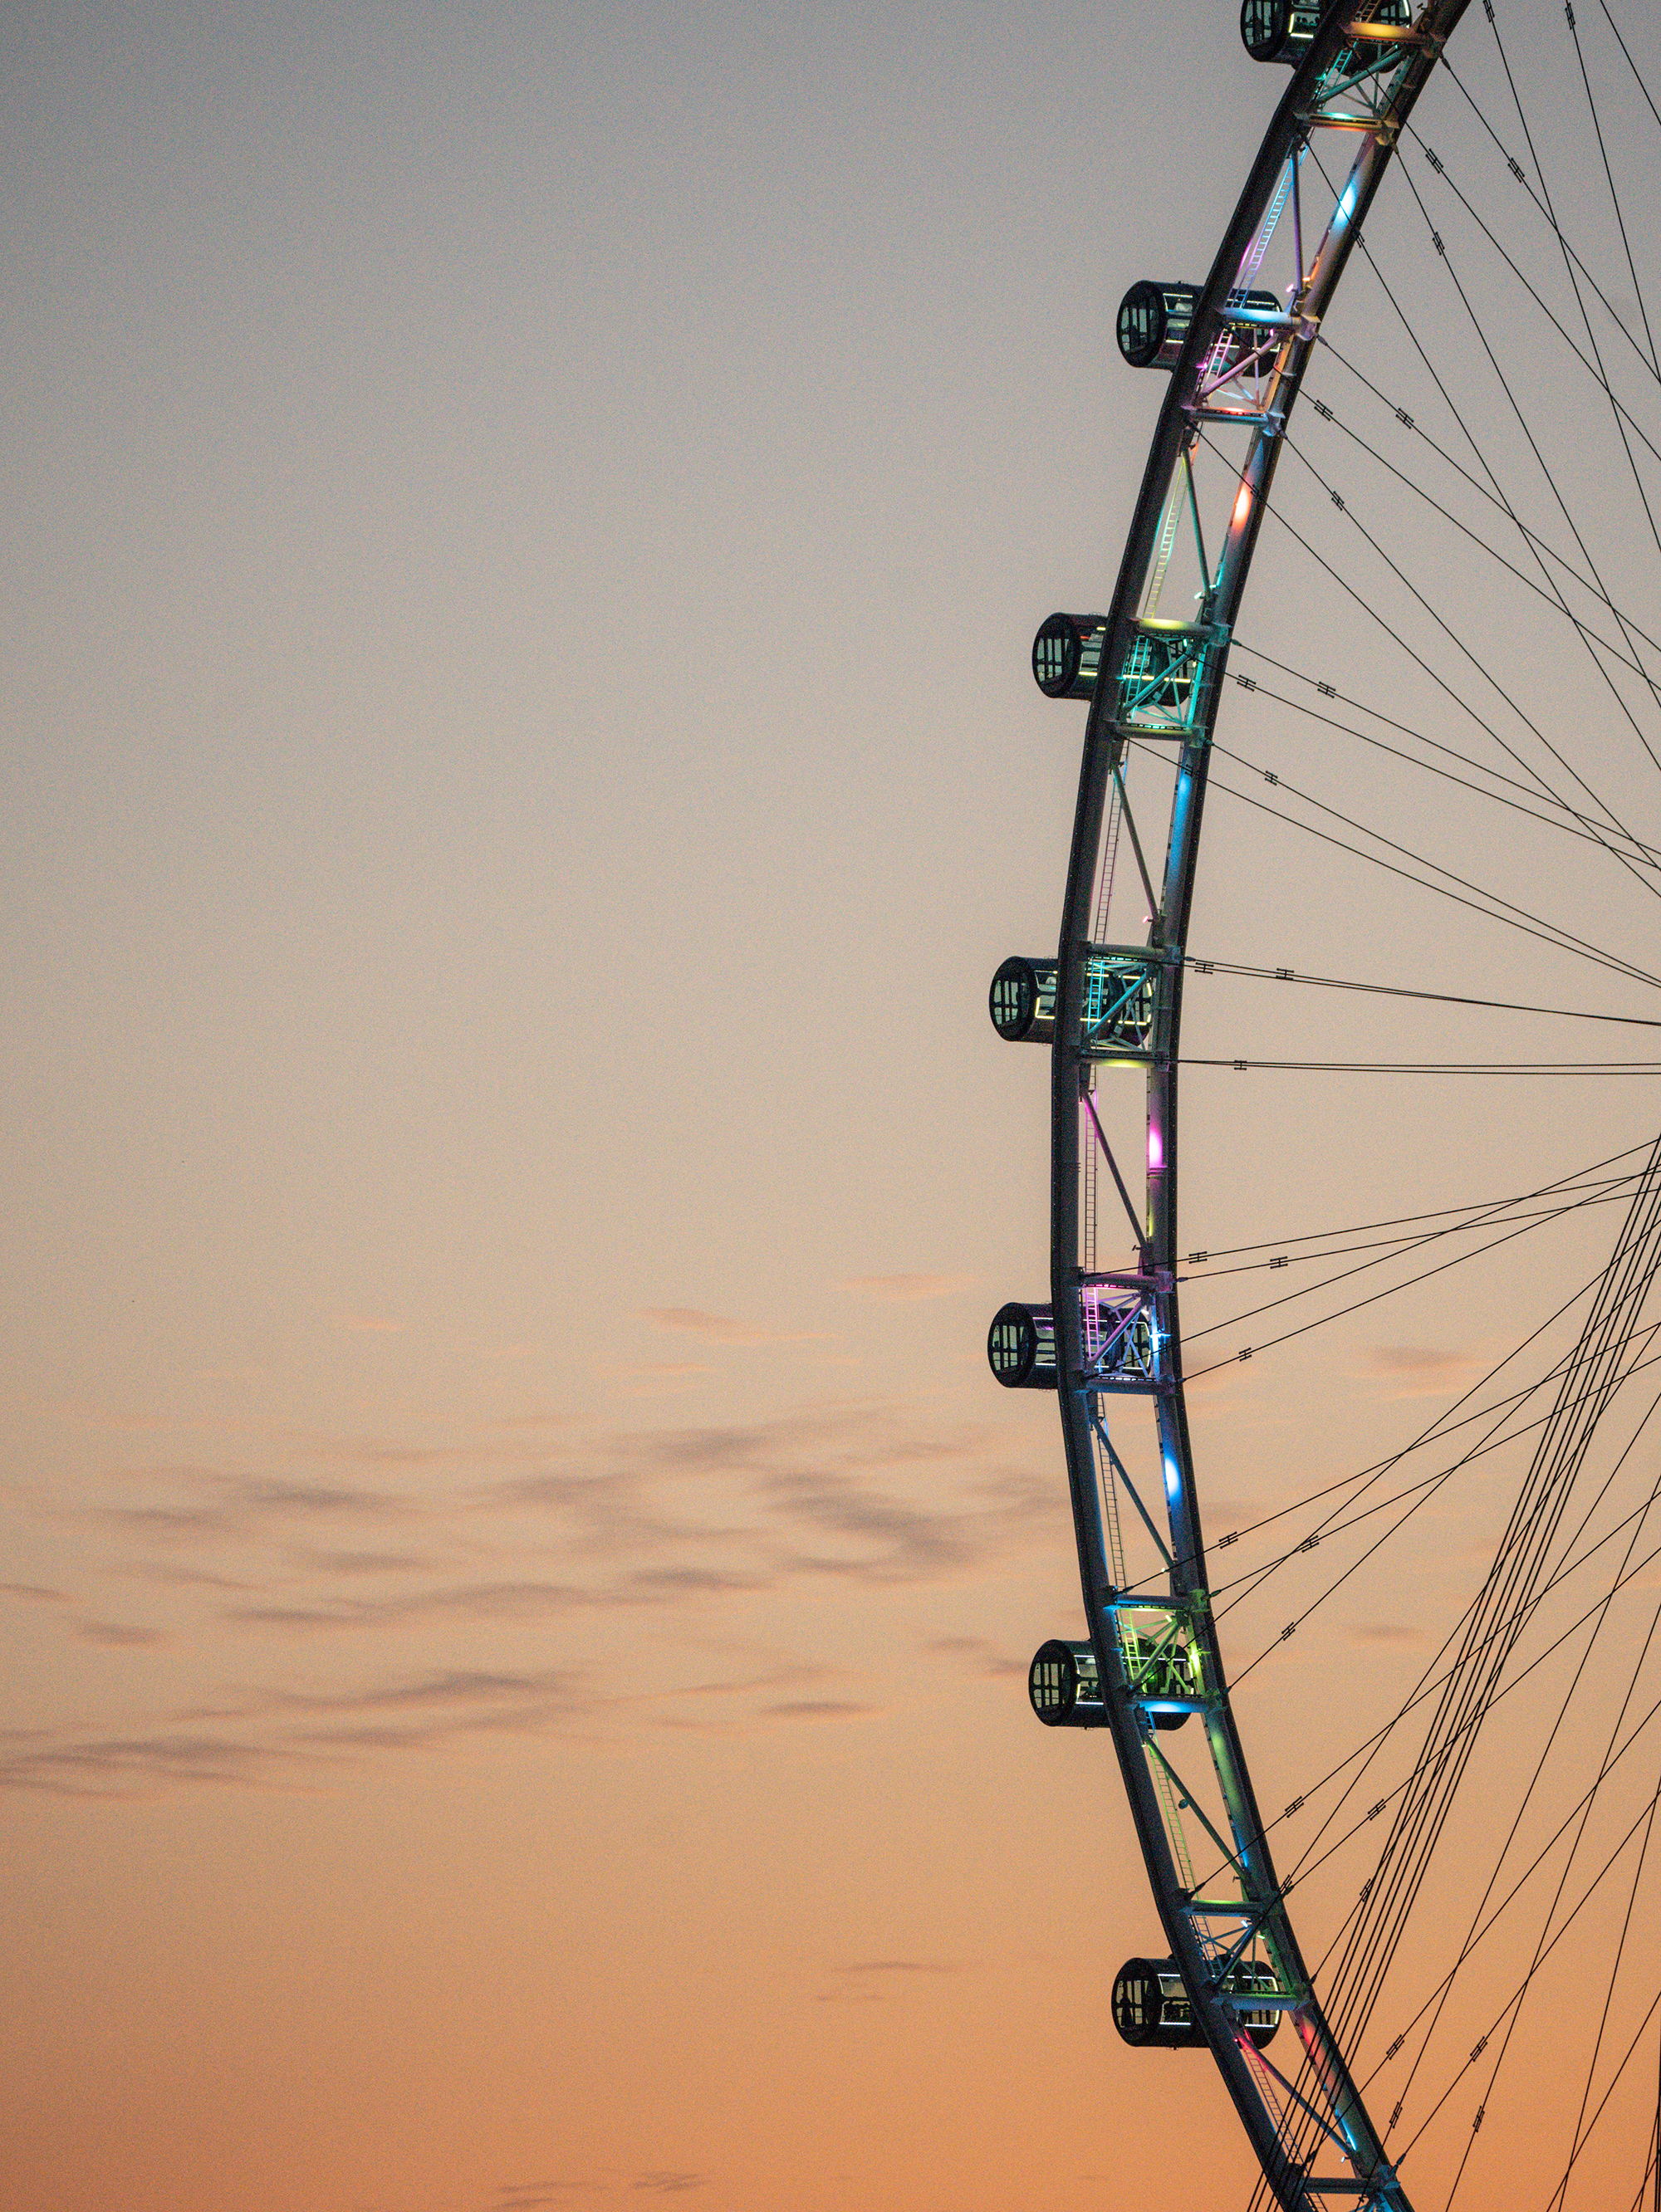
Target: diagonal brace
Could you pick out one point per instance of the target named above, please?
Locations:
(1131, 1490)
(1136, 844)
(1185, 1800)
(1127, 1320)
(1136, 1228)
(1269, 2066)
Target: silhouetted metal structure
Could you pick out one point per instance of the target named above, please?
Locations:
(1150, 669)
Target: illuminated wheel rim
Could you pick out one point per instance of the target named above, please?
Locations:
(1153, 679)
(1300, 2052)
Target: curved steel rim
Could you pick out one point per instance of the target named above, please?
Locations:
(1362, 79)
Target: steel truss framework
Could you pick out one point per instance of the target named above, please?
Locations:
(1157, 678)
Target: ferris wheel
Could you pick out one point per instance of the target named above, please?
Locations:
(1414, 1004)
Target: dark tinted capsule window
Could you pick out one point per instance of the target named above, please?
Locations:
(1012, 1001)
(1051, 656)
(1006, 1346)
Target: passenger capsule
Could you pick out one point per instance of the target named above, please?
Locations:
(1150, 2006)
(1020, 1347)
(1154, 320)
(1280, 30)
(1022, 1000)
(1066, 654)
(1064, 1687)
(1116, 1009)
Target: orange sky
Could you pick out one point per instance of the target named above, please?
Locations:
(520, 765)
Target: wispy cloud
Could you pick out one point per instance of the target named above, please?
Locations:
(116, 1636)
(443, 1708)
(366, 1563)
(530, 2195)
(1421, 1370)
(377, 1644)
(314, 1500)
(1413, 1359)
(522, 2196)
(979, 1655)
(692, 1320)
(869, 1981)
(824, 1492)
(902, 1967)
(819, 1709)
(217, 1503)
(280, 1737)
(126, 1765)
(451, 1690)
(903, 1288)
(162, 1523)
(721, 1328)
(171, 1576)
(503, 1600)
(659, 1371)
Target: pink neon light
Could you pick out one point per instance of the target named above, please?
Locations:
(1242, 505)
(1155, 1150)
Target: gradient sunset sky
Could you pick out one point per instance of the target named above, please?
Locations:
(526, 526)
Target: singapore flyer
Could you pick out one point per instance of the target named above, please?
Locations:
(1356, 1357)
